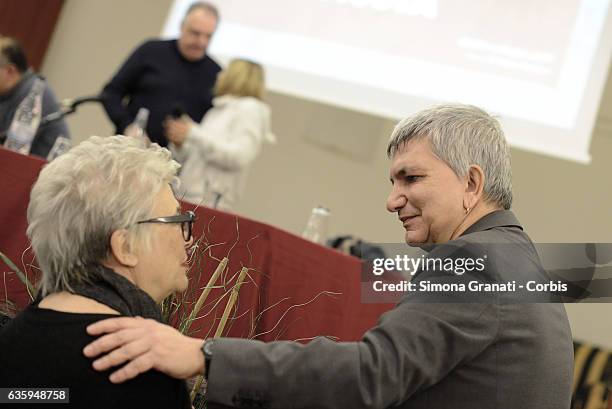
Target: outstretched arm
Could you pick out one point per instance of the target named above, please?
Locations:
(413, 347)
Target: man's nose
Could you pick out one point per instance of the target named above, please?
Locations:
(203, 40)
(395, 201)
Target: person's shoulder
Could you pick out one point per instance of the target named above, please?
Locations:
(498, 234)
(255, 108)
(252, 104)
(461, 246)
(157, 42)
(154, 45)
(50, 103)
(257, 112)
(212, 63)
(496, 240)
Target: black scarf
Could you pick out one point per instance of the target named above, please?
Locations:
(117, 292)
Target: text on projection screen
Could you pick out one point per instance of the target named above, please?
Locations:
(539, 66)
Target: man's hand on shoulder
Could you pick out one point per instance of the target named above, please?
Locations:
(143, 344)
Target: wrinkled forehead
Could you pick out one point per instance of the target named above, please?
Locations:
(414, 156)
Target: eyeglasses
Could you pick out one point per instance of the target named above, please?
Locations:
(186, 220)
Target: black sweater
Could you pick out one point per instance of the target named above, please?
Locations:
(44, 348)
(157, 77)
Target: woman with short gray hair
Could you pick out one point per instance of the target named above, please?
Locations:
(110, 239)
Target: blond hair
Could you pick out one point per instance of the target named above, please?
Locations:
(242, 78)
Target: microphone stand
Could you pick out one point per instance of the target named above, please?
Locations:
(69, 106)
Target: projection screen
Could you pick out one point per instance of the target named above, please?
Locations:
(539, 65)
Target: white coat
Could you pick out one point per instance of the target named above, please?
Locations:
(217, 153)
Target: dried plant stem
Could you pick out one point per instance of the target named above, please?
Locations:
(228, 309)
(204, 295)
(20, 274)
(328, 293)
(231, 302)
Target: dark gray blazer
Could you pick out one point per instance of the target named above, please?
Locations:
(420, 355)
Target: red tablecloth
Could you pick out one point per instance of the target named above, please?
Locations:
(296, 289)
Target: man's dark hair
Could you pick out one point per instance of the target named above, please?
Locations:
(204, 5)
(11, 52)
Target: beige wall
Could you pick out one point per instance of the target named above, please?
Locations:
(557, 201)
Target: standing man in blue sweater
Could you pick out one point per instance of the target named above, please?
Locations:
(166, 76)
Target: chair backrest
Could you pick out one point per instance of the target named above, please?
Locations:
(592, 377)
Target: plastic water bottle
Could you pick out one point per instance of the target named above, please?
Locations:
(140, 126)
(61, 146)
(26, 120)
(318, 223)
(140, 123)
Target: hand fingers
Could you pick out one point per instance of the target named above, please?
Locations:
(119, 334)
(139, 365)
(125, 351)
(113, 324)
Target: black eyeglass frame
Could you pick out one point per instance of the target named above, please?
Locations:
(185, 219)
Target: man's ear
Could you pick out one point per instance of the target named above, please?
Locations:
(121, 249)
(475, 187)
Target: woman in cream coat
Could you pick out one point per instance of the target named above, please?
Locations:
(217, 153)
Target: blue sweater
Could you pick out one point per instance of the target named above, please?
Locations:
(157, 77)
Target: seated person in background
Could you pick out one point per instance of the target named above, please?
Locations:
(166, 75)
(25, 98)
(217, 153)
(110, 240)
